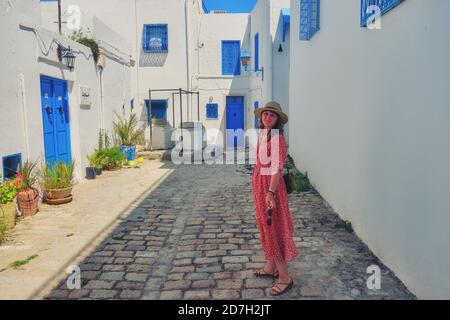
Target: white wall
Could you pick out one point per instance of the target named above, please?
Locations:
(369, 123)
(280, 60)
(32, 52)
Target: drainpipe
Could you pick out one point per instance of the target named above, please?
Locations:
(187, 57)
(24, 113)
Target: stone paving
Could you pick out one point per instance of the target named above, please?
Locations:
(195, 237)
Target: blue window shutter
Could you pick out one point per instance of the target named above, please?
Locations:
(155, 38)
(257, 51)
(384, 5)
(309, 18)
(231, 57)
(212, 111)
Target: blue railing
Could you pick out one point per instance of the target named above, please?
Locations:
(368, 12)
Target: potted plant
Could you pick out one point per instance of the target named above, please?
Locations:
(57, 182)
(8, 191)
(128, 135)
(90, 171)
(99, 161)
(112, 158)
(28, 195)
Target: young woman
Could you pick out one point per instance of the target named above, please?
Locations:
(269, 192)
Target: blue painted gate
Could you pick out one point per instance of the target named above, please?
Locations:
(235, 119)
(55, 119)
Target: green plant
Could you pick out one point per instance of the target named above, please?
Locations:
(111, 157)
(92, 159)
(79, 37)
(302, 182)
(8, 191)
(57, 175)
(2, 224)
(127, 132)
(101, 139)
(28, 175)
(347, 225)
(18, 263)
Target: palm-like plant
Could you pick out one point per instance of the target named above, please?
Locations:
(58, 175)
(127, 131)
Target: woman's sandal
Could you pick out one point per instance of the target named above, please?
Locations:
(276, 290)
(263, 273)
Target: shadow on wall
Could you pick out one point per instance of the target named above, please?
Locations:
(154, 59)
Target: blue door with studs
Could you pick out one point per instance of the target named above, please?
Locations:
(235, 120)
(55, 120)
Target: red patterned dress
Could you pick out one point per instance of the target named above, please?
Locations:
(277, 239)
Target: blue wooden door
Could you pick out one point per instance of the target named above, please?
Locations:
(55, 119)
(235, 119)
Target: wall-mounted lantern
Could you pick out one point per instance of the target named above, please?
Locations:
(67, 55)
(245, 59)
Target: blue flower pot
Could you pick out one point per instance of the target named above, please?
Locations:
(129, 152)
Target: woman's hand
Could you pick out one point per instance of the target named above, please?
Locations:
(270, 200)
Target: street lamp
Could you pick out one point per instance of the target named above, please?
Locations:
(245, 60)
(67, 55)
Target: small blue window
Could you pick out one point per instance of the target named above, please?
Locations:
(256, 118)
(212, 111)
(309, 18)
(257, 51)
(231, 57)
(369, 10)
(159, 110)
(132, 104)
(11, 165)
(155, 38)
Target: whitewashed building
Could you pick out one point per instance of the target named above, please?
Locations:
(369, 123)
(49, 111)
(177, 44)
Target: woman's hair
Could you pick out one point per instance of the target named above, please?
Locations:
(278, 125)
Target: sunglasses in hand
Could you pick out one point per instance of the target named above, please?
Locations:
(269, 220)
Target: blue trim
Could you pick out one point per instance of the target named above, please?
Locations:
(205, 10)
(256, 51)
(384, 5)
(212, 111)
(19, 155)
(155, 38)
(309, 18)
(256, 106)
(231, 57)
(286, 17)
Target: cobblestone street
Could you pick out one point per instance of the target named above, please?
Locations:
(195, 237)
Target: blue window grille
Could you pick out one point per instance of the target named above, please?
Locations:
(367, 12)
(231, 57)
(11, 165)
(309, 18)
(212, 111)
(257, 51)
(256, 118)
(155, 38)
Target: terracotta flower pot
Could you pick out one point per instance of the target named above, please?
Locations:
(28, 200)
(8, 214)
(56, 194)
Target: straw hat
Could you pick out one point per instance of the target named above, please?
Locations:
(274, 107)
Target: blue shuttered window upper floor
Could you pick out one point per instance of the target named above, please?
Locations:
(231, 57)
(309, 18)
(371, 8)
(155, 38)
